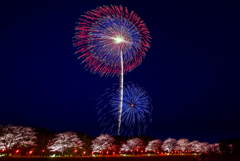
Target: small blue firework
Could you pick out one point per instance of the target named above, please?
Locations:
(136, 110)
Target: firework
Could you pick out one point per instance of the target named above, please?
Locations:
(103, 33)
(136, 110)
(112, 42)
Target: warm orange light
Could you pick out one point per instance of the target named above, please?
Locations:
(137, 149)
(119, 152)
(17, 151)
(84, 152)
(158, 152)
(131, 150)
(107, 152)
(100, 151)
(131, 105)
(30, 152)
(3, 149)
(153, 150)
(75, 151)
(145, 151)
(92, 152)
(113, 153)
(43, 151)
(141, 151)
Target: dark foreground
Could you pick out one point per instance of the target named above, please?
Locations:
(145, 158)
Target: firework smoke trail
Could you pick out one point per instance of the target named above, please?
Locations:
(121, 95)
(112, 41)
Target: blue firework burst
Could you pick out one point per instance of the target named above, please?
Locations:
(136, 110)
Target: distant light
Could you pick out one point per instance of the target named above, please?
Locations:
(43, 151)
(84, 152)
(17, 151)
(113, 153)
(75, 151)
(53, 155)
(30, 152)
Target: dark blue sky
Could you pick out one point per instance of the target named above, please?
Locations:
(191, 71)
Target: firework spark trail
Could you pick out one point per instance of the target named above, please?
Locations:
(121, 95)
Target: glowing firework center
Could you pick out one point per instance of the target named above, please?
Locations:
(118, 39)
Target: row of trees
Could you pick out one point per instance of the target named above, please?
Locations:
(28, 141)
(104, 143)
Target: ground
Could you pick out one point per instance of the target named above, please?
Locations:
(145, 158)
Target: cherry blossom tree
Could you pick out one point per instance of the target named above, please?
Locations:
(214, 147)
(182, 145)
(196, 146)
(230, 146)
(1, 130)
(154, 145)
(102, 143)
(16, 136)
(132, 145)
(65, 141)
(205, 147)
(169, 144)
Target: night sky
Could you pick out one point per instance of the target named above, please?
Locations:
(191, 71)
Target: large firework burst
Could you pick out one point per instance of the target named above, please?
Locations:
(136, 110)
(103, 33)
